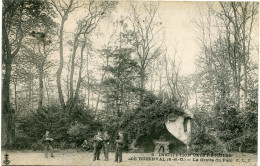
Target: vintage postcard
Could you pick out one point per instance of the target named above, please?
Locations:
(96, 82)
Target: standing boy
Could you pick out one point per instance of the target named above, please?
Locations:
(106, 139)
(119, 146)
(97, 144)
(47, 140)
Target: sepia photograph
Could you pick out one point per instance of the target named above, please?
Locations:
(127, 83)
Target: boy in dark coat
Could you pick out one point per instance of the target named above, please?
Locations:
(106, 140)
(97, 144)
(119, 146)
(47, 140)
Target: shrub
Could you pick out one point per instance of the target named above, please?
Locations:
(204, 137)
(234, 129)
(78, 132)
(249, 120)
(69, 129)
(227, 121)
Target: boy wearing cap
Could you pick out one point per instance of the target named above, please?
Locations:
(106, 139)
(119, 146)
(97, 145)
(47, 140)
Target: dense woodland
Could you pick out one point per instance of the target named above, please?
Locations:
(70, 84)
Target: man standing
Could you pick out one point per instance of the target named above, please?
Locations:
(119, 146)
(97, 144)
(47, 140)
(106, 139)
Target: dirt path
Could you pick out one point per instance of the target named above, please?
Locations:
(143, 159)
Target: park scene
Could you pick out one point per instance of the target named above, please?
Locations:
(95, 82)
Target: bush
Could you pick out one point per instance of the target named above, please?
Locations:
(249, 121)
(205, 142)
(77, 132)
(204, 136)
(22, 143)
(69, 129)
(234, 129)
(227, 120)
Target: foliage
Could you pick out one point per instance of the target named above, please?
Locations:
(227, 122)
(204, 139)
(205, 142)
(150, 118)
(119, 85)
(249, 120)
(226, 80)
(68, 129)
(227, 129)
(78, 130)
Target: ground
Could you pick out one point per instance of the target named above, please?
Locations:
(72, 157)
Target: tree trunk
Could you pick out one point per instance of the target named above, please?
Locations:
(88, 91)
(30, 87)
(75, 47)
(101, 82)
(8, 114)
(40, 87)
(15, 94)
(160, 85)
(80, 70)
(151, 85)
(8, 126)
(47, 91)
(88, 81)
(142, 87)
(68, 78)
(92, 99)
(236, 51)
(61, 67)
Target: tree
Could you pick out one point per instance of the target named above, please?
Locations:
(225, 39)
(39, 46)
(176, 83)
(146, 41)
(95, 12)
(122, 73)
(205, 26)
(63, 9)
(81, 66)
(18, 19)
(238, 19)
(225, 68)
(105, 52)
(23, 77)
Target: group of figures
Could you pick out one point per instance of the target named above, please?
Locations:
(100, 140)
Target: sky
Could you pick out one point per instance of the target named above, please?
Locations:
(177, 19)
